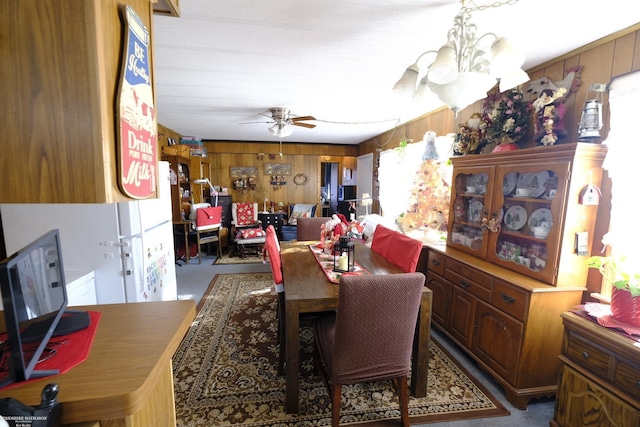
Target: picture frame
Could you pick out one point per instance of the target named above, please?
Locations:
(242, 171)
(277, 169)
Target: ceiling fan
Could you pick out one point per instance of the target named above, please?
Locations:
(282, 120)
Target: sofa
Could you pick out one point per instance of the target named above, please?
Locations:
(295, 211)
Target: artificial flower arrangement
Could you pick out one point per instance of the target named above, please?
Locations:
(625, 272)
(508, 121)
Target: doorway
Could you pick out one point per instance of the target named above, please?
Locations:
(329, 186)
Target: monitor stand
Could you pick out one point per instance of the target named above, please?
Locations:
(71, 321)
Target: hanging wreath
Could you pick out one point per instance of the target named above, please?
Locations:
(300, 179)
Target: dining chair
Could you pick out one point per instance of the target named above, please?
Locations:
(309, 228)
(208, 224)
(272, 254)
(370, 337)
(397, 248)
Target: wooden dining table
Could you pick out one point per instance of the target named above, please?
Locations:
(308, 290)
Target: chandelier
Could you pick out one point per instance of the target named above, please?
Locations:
(466, 67)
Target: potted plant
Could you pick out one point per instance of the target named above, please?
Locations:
(624, 274)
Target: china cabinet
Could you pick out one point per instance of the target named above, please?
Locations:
(510, 265)
(600, 378)
(521, 210)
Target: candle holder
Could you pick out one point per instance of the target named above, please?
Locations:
(344, 255)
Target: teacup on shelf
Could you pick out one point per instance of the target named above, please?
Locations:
(523, 192)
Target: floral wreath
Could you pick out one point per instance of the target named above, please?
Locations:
(300, 179)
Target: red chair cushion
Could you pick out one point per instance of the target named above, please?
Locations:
(208, 216)
(395, 247)
(244, 213)
(251, 233)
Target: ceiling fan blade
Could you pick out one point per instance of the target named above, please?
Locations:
(297, 119)
(304, 125)
(249, 123)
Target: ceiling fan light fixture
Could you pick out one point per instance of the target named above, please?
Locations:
(280, 130)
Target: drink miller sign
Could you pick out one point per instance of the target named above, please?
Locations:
(138, 131)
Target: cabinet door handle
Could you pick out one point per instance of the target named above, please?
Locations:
(435, 262)
(464, 284)
(586, 354)
(506, 298)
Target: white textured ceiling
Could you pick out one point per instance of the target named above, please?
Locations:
(223, 62)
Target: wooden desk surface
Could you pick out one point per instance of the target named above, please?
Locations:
(132, 348)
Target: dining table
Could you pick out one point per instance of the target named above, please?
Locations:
(309, 290)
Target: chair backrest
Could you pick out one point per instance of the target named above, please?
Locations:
(375, 324)
(402, 251)
(271, 233)
(244, 213)
(273, 253)
(309, 228)
(207, 218)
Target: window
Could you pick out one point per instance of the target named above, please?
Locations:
(623, 156)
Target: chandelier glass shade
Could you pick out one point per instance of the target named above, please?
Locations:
(465, 68)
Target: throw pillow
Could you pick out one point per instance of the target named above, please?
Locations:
(250, 233)
(295, 215)
(244, 213)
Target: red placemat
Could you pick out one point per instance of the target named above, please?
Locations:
(325, 261)
(70, 350)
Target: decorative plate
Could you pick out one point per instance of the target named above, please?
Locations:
(479, 180)
(523, 180)
(300, 179)
(515, 217)
(475, 211)
(509, 183)
(537, 183)
(539, 216)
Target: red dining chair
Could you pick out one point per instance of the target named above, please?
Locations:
(272, 254)
(370, 337)
(402, 251)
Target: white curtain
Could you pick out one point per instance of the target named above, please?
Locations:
(623, 156)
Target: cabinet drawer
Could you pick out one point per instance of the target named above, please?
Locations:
(470, 273)
(627, 377)
(468, 284)
(593, 357)
(436, 262)
(510, 299)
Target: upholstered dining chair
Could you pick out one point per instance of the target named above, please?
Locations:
(272, 253)
(208, 224)
(370, 337)
(403, 251)
(309, 228)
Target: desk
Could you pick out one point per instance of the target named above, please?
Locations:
(307, 290)
(127, 378)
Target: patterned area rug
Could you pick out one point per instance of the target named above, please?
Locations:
(233, 257)
(225, 371)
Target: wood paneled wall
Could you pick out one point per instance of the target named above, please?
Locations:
(304, 159)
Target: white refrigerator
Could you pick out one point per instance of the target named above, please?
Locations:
(128, 246)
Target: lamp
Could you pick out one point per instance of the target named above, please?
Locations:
(212, 191)
(367, 201)
(591, 119)
(344, 255)
(281, 130)
(466, 68)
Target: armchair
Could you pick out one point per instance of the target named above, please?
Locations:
(370, 337)
(244, 215)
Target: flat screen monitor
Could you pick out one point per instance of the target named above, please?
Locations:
(35, 297)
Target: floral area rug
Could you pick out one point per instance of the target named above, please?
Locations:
(225, 371)
(233, 257)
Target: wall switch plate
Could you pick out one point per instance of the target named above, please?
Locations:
(582, 241)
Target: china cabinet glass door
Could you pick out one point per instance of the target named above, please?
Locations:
(526, 224)
(471, 204)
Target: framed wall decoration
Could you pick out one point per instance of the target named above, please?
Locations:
(243, 171)
(277, 168)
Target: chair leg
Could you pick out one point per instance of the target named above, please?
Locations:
(403, 396)
(335, 405)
